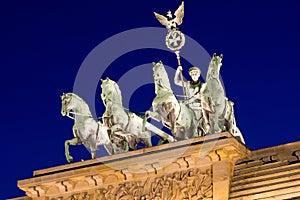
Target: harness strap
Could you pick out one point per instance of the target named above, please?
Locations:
(81, 114)
(97, 131)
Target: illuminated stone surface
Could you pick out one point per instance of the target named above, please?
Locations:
(211, 167)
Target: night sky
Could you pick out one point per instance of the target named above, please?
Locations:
(45, 46)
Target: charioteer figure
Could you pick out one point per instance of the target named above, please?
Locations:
(194, 98)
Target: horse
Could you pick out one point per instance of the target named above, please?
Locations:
(86, 129)
(124, 128)
(221, 113)
(175, 115)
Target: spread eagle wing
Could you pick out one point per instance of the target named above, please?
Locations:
(162, 19)
(179, 13)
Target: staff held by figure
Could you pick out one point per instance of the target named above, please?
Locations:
(175, 39)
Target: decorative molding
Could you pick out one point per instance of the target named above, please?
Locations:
(32, 192)
(127, 174)
(297, 154)
(157, 175)
(94, 180)
(188, 184)
(80, 196)
(269, 159)
(182, 163)
(150, 169)
(226, 153)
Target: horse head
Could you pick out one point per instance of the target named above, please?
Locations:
(71, 101)
(214, 67)
(66, 103)
(161, 78)
(110, 91)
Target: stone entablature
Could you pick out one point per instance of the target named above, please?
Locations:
(199, 168)
(211, 167)
(270, 173)
(188, 184)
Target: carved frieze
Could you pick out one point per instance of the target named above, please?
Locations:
(183, 185)
(191, 184)
(80, 196)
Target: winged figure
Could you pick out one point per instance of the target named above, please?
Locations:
(169, 21)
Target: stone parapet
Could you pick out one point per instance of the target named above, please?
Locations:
(200, 168)
(270, 173)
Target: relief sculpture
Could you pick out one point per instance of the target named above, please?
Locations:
(185, 185)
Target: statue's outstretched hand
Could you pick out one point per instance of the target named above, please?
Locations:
(179, 68)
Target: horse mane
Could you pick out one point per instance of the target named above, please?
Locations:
(117, 92)
(81, 99)
(212, 66)
(117, 89)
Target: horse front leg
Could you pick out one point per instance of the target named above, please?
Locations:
(73, 141)
(172, 119)
(93, 154)
(109, 148)
(146, 139)
(204, 124)
(148, 142)
(229, 117)
(148, 114)
(215, 123)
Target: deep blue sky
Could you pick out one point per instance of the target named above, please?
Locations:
(43, 45)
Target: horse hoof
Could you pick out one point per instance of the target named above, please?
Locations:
(70, 160)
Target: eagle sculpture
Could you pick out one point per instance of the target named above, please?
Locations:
(168, 20)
